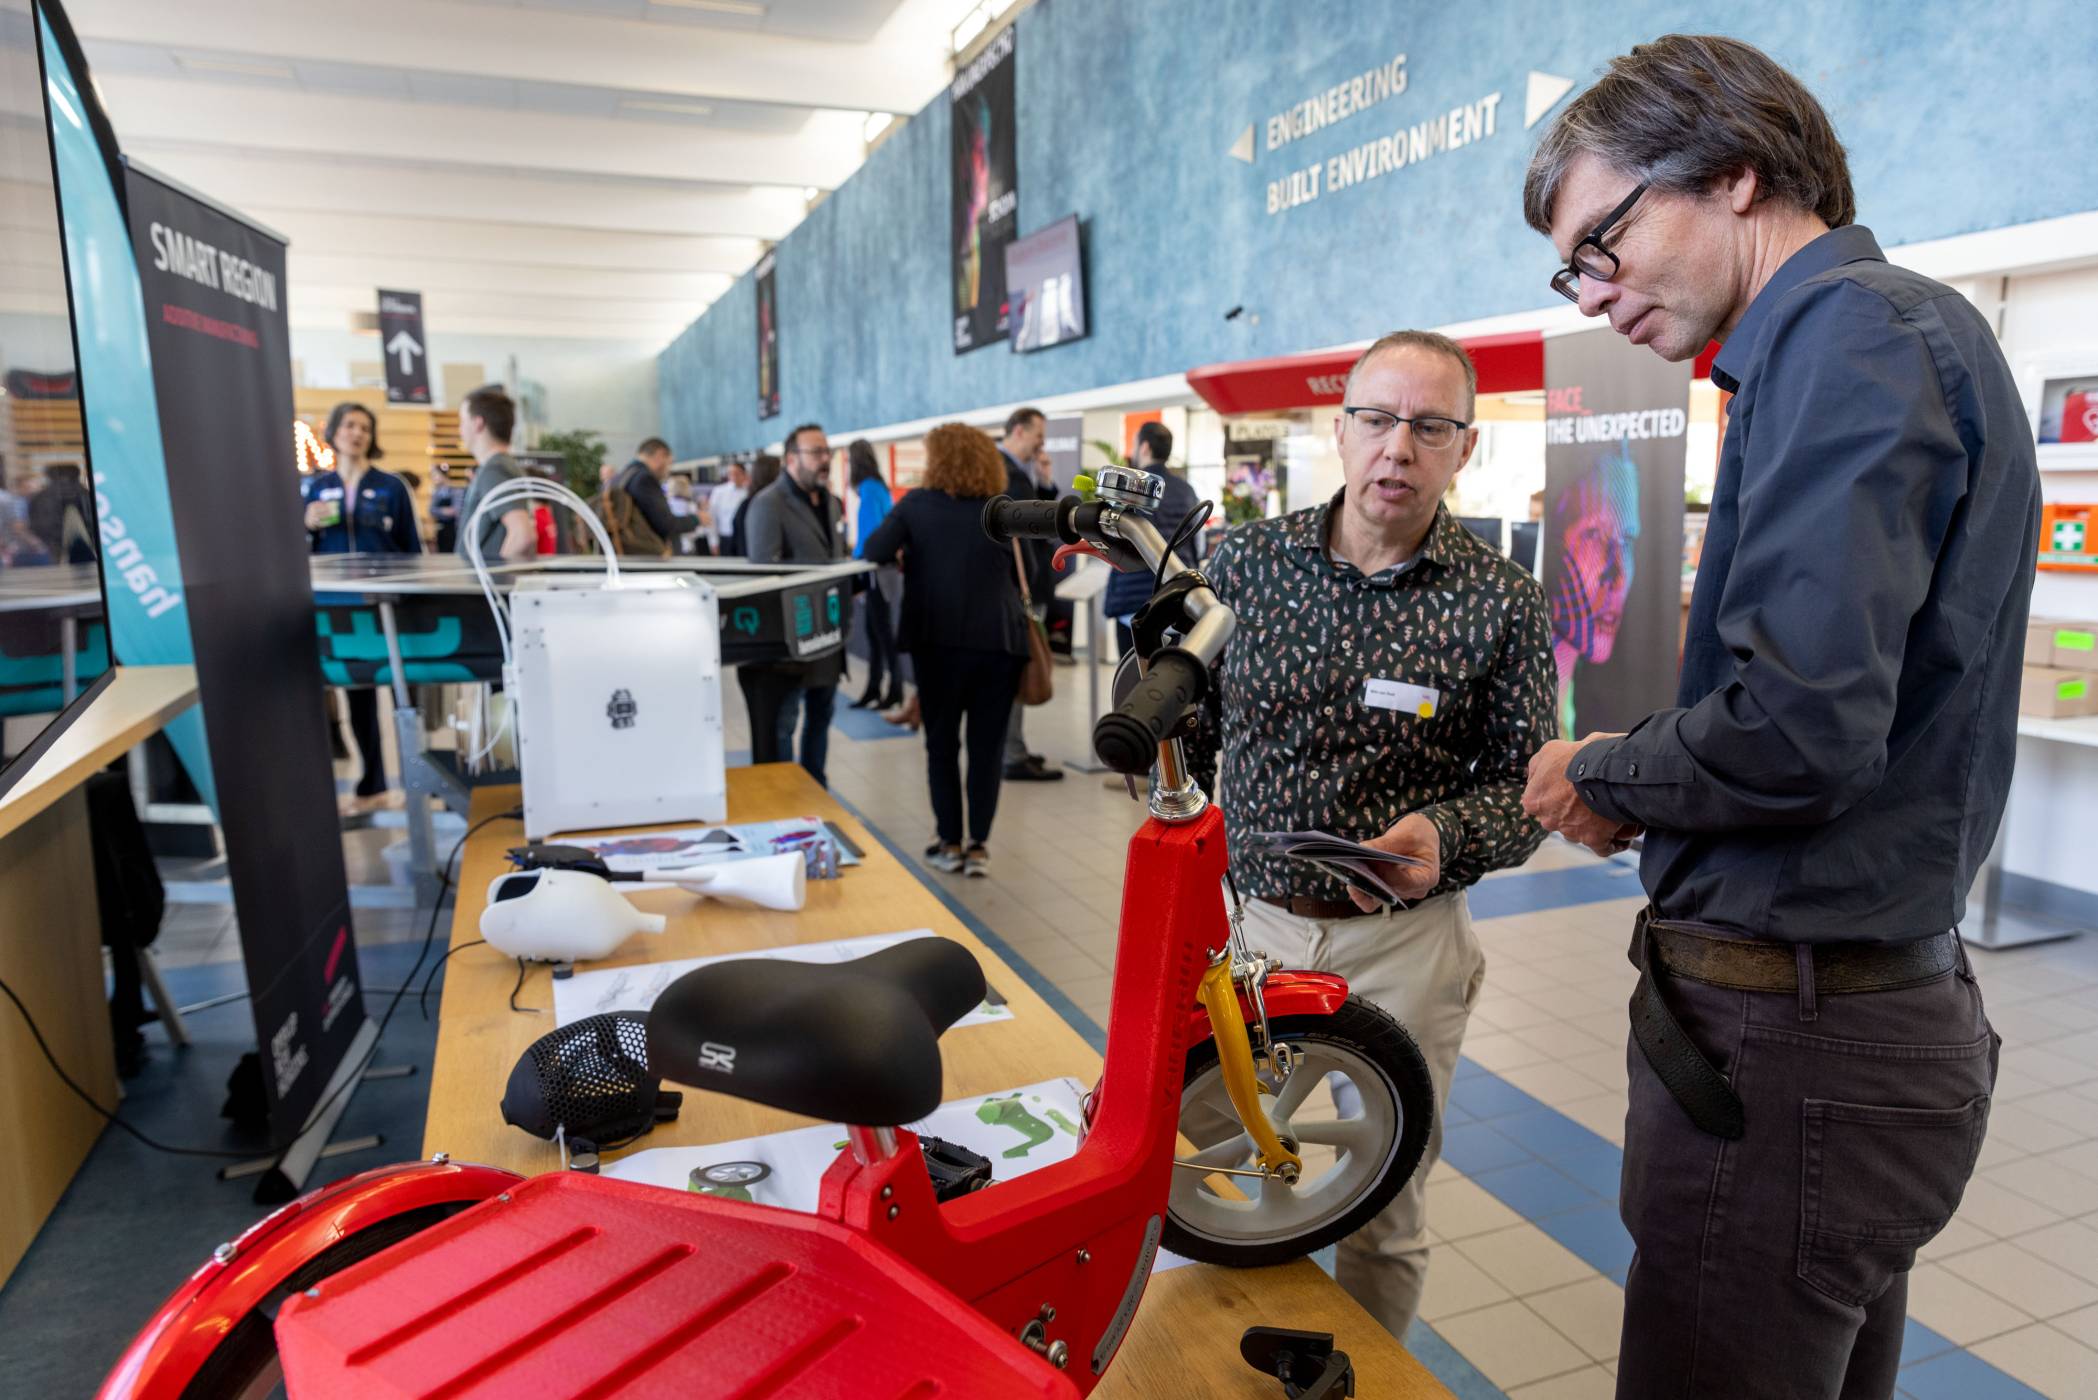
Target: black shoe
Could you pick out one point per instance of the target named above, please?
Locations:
(893, 700)
(1034, 770)
(868, 702)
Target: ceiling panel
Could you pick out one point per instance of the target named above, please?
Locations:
(598, 168)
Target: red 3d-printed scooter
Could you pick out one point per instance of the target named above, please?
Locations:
(444, 1281)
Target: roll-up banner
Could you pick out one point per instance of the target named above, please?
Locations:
(768, 337)
(1615, 418)
(986, 193)
(213, 287)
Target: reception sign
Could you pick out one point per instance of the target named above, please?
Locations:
(1615, 419)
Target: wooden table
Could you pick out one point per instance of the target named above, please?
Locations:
(1185, 1340)
(51, 949)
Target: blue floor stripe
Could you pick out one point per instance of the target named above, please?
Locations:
(866, 724)
(1553, 889)
(1448, 1364)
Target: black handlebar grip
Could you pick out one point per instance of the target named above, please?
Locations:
(1128, 737)
(1006, 520)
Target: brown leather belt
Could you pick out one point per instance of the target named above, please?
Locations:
(1759, 965)
(1660, 950)
(1305, 907)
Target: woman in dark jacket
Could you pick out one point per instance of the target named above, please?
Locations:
(965, 630)
(357, 508)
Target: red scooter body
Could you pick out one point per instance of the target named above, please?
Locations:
(165, 1357)
(1058, 1258)
(1079, 1237)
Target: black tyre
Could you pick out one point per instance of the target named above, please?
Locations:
(1246, 1223)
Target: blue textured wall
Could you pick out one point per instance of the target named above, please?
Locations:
(1958, 117)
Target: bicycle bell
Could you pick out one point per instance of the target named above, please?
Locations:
(1130, 488)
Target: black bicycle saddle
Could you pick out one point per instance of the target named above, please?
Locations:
(852, 1042)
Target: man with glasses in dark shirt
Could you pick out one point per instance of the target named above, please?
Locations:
(1813, 1068)
(1390, 678)
(796, 520)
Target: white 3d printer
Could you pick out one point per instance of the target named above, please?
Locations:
(615, 689)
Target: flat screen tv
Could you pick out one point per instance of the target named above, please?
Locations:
(1045, 281)
(54, 635)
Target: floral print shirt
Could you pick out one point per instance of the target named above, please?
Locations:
(1458, 628)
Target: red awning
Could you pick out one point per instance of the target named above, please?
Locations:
(1507, 364)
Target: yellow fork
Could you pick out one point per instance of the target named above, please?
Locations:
(1235, 1060)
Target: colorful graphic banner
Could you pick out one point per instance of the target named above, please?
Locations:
(986, 194)
(1615, 419)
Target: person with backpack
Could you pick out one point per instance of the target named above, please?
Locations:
(636, 512)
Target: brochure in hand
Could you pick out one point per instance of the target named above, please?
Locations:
(1355, 865)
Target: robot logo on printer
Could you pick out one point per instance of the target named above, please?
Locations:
(621, 709)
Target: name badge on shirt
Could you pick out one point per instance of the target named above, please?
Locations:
(1393, 695)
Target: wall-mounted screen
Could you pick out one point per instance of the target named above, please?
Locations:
(1045, 278)
(54, 638)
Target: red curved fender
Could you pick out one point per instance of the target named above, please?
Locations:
(169, 1349)
(1288, 994)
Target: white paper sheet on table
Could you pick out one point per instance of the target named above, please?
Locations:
(636, 988)
(644, 851)
(1020, 1130)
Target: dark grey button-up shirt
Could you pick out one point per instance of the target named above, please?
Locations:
(1847, 716)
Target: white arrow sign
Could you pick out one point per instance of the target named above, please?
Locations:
(1242, 149)
(1545, 90)
(404, 347)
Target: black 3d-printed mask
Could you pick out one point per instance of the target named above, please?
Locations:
(591, 1080)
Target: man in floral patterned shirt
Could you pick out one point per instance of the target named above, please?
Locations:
(1389, 681)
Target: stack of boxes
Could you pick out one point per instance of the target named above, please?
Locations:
(2061, 669)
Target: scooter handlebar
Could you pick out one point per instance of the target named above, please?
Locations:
(1127, 738)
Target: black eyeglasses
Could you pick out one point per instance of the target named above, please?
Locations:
(1431, 432)
(1590, 258)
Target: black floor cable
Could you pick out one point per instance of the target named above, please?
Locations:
(276, 1151)
(422, 998)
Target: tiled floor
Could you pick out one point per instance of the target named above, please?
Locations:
(1526, 1281)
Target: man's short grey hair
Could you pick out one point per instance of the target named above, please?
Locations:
(1433, 342)
(1689, 110)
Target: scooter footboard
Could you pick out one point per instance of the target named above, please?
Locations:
(573, 1285)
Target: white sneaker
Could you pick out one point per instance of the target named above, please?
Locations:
(947, 858)
(976, 863)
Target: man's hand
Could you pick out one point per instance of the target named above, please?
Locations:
(1413, 835)
(1551, 799)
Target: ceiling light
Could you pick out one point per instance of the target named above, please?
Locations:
(874, 124)
(809, 193)
(234, 66)
(971, 24)
(681, 109)
(752, 9)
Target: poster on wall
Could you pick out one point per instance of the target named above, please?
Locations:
(986, 194)
(768, 339)
(220, 348)
(1615, 418)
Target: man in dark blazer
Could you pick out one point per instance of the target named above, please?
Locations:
(1021, 445)
(796, 520)
(642, 479)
